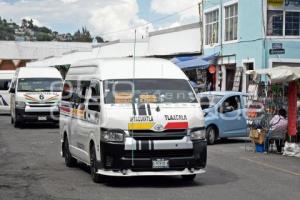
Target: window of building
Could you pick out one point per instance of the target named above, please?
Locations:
(231, 22)
(212, 27)
(292, 20)
(275, 23)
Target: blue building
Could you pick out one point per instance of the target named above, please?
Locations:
(250, 34)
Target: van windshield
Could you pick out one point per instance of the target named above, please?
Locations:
(39, 85)
(148, 91)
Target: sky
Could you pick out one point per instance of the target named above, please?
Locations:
(110, 19)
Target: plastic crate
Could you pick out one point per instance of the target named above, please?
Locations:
(260, 148)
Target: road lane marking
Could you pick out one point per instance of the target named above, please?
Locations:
(270, 166)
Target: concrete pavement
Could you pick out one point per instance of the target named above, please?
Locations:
(31, 168)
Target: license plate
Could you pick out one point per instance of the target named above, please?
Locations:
(160, 164)
(42, 118)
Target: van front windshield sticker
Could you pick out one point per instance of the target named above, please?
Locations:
(39, 85)
(148, 91)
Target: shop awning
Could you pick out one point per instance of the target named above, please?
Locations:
(194, 62)
(279, 74)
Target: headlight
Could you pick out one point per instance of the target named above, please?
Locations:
(198, 134)
(20, 104)
(112, 135)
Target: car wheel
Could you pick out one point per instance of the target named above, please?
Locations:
(97, 178)
(211, 135)
(189, 177)
(69, 160)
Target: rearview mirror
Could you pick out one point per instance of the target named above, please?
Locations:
(12, 90)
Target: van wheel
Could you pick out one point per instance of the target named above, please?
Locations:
(97, 178)
(18, 123)
(189, 177)
(211, 135)
(69, 160)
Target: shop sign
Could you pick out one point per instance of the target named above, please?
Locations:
(275, 3)
(276, 51)
(284, 4)
(276, 45)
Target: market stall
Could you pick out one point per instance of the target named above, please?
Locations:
(278, 91)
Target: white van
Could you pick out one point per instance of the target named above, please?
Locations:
(35, 95)
(5, 80)
(132, 121)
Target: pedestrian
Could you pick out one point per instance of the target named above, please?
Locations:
(278, 127)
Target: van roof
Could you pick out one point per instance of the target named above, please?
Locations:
(38, 72)
(7, 71)
(6, 74)
(122, 68)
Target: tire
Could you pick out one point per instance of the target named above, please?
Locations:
(97, 178)
(69, 160)
(211, 135)
(189, 177)
(18, 123)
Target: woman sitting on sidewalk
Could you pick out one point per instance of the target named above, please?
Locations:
(278, 129)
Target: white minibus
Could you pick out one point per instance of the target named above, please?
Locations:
(35, 95)
(132, 117)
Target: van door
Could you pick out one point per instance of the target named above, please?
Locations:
(79, 121)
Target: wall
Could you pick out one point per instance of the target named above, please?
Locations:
(184, 39)
(250, 42)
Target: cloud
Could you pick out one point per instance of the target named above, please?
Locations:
(99, 16)
(186, 10)
(34, 21)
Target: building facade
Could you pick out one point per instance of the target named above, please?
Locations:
(250, 35)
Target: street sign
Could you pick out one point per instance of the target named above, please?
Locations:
(277, 46)
(276, 51)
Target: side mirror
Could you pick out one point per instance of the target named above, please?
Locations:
(12, 90)
(228, 109)
(94, 105)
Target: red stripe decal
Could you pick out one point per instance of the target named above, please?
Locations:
(177, 125)
(65, 109)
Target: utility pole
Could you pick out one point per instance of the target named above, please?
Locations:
(200, 9)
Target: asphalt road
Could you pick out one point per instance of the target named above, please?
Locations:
(31, 168)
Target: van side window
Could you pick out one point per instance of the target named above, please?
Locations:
(4, 84)
(68, 90)
(94, 100)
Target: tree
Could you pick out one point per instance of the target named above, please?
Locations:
(99, 39)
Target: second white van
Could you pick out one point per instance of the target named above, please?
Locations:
(35, 95)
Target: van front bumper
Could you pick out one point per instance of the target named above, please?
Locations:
(116, 160)
(37, 116)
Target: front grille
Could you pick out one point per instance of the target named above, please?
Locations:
(159, 153)
(41, 106)
(42, 113)
(165, 135)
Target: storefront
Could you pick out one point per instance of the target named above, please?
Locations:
(280, 92)
(201, 71)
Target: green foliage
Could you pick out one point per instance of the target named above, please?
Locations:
(31, 32)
